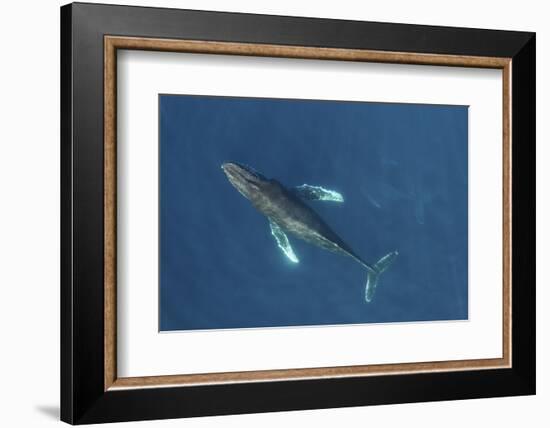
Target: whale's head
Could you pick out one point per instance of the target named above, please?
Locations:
(248, 182)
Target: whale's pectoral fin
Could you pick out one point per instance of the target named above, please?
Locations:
(317, 193)
(282, 241)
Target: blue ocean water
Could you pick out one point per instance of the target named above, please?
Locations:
(402, 169)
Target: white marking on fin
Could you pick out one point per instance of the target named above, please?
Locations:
(318, 193)
(282, 241)
(372, 277)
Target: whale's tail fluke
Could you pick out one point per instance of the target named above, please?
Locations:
(374, 273)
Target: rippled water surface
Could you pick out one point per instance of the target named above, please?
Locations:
(403, 172)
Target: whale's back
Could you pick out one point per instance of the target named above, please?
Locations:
(298, 218)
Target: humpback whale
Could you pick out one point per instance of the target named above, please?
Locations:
(289, 213)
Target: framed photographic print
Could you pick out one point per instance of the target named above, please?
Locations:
(265, 213)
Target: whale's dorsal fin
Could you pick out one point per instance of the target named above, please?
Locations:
(317, 193)
(282, 241)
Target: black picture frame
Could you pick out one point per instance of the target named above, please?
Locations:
(83, 396)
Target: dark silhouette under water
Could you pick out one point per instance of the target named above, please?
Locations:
(288, 213)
